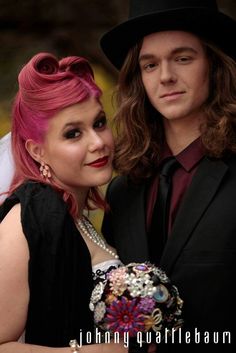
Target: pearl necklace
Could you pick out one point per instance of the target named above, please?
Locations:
(87, 229)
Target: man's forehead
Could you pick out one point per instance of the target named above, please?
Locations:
(171, 41)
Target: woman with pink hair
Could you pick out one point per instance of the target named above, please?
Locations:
(49, 251)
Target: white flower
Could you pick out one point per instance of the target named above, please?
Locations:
(139, 286)
(99, 311)
(97, 292)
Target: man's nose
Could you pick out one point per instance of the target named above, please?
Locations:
(167, 74)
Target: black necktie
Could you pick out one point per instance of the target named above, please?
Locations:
(159, 227)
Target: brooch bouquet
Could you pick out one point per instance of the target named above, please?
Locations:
(138, 297)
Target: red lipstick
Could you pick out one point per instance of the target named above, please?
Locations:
(98, 163)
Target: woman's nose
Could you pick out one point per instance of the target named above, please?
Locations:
(95, 142)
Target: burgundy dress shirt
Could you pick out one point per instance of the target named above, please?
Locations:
(189, 160)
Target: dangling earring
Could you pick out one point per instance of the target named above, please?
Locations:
(45, 171)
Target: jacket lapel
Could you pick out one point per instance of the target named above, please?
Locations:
(200, 193)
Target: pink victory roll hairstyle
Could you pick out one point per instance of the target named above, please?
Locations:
(46, 86)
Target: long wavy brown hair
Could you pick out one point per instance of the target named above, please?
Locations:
(138, 126)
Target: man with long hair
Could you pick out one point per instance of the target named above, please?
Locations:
(176, 101)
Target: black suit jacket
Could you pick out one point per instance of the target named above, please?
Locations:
(200, 254)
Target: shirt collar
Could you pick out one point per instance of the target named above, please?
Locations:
(189, 157)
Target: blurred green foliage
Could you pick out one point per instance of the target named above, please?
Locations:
(4, 118)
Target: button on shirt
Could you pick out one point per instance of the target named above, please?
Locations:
(189, 160)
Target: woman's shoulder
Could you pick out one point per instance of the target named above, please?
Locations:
(42, 199)
(43, 213)
(35, 198)
(35, 192)
(32, 189)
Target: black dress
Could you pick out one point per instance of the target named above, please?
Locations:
(60, 273)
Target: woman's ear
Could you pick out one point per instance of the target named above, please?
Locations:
(35, 150)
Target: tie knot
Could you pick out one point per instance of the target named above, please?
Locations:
(169, 166)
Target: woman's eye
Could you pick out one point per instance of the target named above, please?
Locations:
(100, 123)
(72, 134)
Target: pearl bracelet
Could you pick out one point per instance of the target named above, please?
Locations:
(74, 346)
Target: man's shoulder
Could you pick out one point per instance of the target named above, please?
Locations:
(118, 183)
(122, 188)
(123, 182)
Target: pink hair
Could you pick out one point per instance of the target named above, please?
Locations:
(46, 86)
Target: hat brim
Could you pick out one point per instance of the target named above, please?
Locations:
(208, 24)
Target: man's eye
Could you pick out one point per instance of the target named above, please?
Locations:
(72, 134)
(183, 59)
(149, 67)
(100, 123)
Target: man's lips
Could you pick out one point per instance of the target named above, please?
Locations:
(100, 162)
(172, 95)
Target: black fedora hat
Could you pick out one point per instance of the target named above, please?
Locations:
(200, 17)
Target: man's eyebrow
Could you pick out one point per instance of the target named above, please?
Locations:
(184, 49)
(177, 50)
(146, 57)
